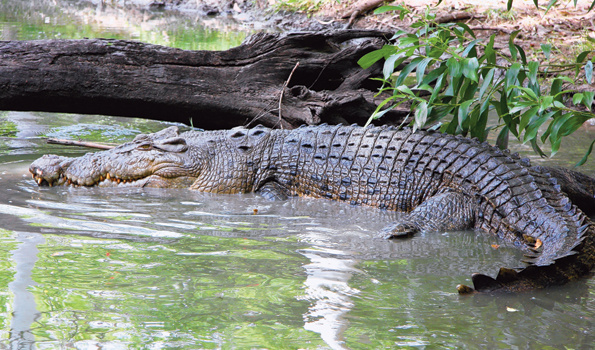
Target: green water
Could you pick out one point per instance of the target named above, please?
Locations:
(173, 269)
(77, 19)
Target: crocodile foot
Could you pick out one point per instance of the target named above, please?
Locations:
(399, 230)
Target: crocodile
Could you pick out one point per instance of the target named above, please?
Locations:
(443, 182)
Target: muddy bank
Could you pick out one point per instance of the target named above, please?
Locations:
(259, 15)
(564, 26)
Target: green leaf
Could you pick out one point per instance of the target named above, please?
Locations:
(522, 53)
(533, 69)
(391, 63)
(399, 33)
(533, 127)
(588, 99)
(464, 113)
(504, 113)
(557, 131)
(508, 5)
(468, 90)
(478, 128)
(547, 49)
(467, 29)
(470, 66)
(579, 59)
(527, 116)
(545, 102)
(581, 56)
(588, 152)
(573, 123)
(407, 69)
(469, 47)
(489, 52)
(536, 148)
(437, 88)
(556, 87)
(528, 92)
(421, 115)
(421, 69)
(512, 74)
(372, 57)
(406, 90)
(434, 74)
(384, 9)
(454, 67)
(589, 72)
(577, 98)
(452, 89)
(552, 2)
(502, 139)
(552, 115)
(512, 46)
(487, 81)
(409, 39)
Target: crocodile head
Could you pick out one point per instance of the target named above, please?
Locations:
(162, 159)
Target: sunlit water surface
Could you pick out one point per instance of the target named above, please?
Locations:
(88, 268)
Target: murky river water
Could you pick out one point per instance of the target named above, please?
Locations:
(149, 269)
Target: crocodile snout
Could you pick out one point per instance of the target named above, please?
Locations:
(48, 169)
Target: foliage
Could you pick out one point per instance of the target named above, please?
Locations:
(453, 80)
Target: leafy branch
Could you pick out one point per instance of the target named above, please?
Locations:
(453, 81)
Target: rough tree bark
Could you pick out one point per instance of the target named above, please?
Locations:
(211, 89)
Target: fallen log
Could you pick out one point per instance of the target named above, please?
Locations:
(246, 85)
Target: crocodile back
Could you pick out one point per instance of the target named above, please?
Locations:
(399, 169)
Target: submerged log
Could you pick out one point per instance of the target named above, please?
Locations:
(246, 85)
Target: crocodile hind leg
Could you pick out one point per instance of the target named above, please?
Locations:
(448, 211)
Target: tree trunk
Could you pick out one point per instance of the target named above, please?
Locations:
(246, 85)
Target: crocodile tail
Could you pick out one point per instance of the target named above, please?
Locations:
(571, 266)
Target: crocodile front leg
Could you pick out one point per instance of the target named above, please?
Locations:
(448, 211)
(273, 191)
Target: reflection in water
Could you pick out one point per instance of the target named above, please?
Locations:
(64, 19)
(327, 287)
(24, 308)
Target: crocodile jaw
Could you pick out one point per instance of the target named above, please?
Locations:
(88, 171)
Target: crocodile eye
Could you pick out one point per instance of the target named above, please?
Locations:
(174, 144)
(145, 147)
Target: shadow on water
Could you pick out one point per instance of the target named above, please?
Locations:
(124, 268)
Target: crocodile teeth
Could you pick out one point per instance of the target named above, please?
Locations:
(39, 181)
